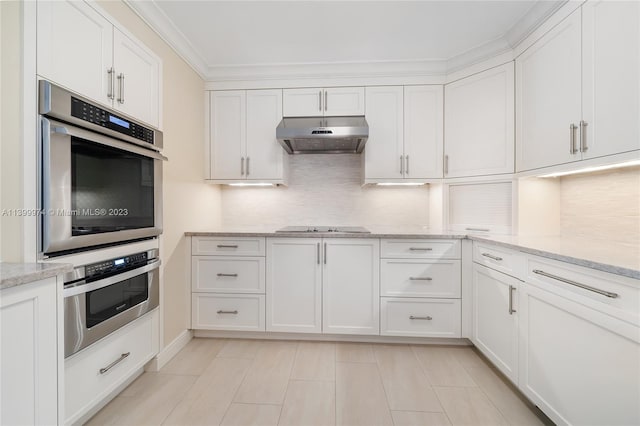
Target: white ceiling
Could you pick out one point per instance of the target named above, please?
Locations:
(229, 35)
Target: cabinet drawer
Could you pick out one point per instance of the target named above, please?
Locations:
(622, 294)
(85, 386)
(420, 278)
(228, 311)
(228, 246)
(420, 317)
(499, 258)
(228, 274)
(420, 249)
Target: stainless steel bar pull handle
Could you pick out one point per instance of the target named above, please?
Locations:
(575, 283)
(420, 279)
(572, 139)
(248, 166)
(228, 312)
(583, 136)
(401, 165)
(427, 318)
(511, 290)
(320, 100)
(478, 229)
(490, 256)
(325, 253)
(446, 165)
(227, 246)
(228, 275)
(121, 88)
(111, 84)
(318, 253)
(326, 100)
(420, 249)
(241, 166)
(114, 363)
(406, 157)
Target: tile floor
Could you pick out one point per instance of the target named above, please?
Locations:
(256, 382)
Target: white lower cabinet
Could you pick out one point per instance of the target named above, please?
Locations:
(579, 365)
(228, 311)
(420, 317)
(92, 374)
(294, 285)
(29, 354)
(351, 286)
(495, 318)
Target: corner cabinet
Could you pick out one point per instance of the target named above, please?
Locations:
(242, 145)
(479, 124)
(577, 88)
(405, 133)
(30, 355)
(104, 64)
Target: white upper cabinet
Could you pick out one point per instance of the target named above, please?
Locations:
(333, 101)
(405, 133)
(243, 143)
(479, 123)
(610, 77)
(423, 132)
(80, 49)
(137, 79)
(79, 63)
(548, 97)
(384, 151)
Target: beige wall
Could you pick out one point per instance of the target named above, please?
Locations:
(604, 205)
(325, 189)
(10, 130)
(189, 203)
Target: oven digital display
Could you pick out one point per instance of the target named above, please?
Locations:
(118, 262)
(118, 121)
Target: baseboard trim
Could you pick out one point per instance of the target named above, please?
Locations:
(171, 350)
(332, 337)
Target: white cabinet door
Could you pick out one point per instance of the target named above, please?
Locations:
(302, 102)
(423, 109)
(495, 318)
(75, 48)
(384, 152)
(29, 354)
(137, 84)
(294, 285)
(343, 101)
(611, 76)
(580, 366)
(351, 286)
(548, 97)
(228, 134)
(479, 123)
(264, 154)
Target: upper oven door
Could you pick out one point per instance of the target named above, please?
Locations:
(96, 190)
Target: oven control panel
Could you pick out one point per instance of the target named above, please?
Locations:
(96, 115)
(110, 266)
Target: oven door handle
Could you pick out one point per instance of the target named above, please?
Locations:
(65, 129)
(84, 287)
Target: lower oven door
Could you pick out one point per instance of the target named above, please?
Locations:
(95, 189)
(96, 309)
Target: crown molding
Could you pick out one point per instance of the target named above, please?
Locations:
(228, 74)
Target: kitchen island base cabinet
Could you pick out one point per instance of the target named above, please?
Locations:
(579, 365)
(28, 361)
(351, 286)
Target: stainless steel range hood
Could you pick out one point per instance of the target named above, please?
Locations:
(323, 135)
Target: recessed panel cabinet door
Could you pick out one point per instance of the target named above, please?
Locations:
(340, 101)
(137, 79)
(351, 286)
(384, 150)
(302, 102)
(423, 111)
(479, 123)
(228, 134)
(611, 77)
(264, 153)
(548, 97)
(294, 285)
(75, 48)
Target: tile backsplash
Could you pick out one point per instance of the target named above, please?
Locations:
(603, 205)
(325, 189)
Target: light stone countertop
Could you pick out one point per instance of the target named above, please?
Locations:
(596, 254)
(15, 274)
